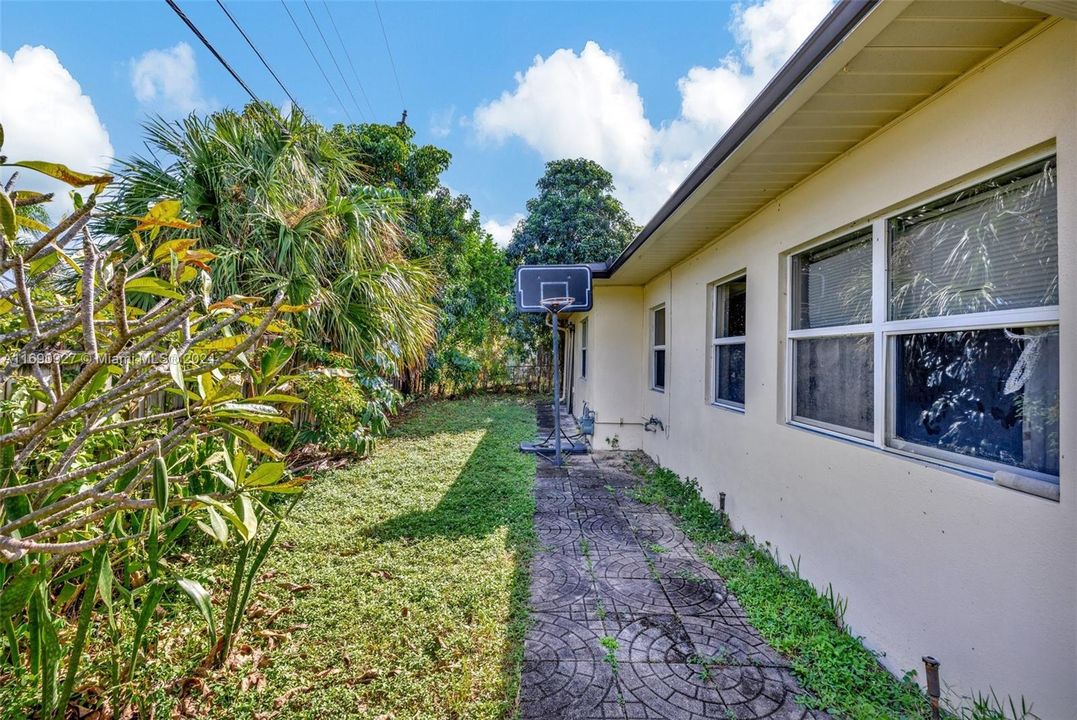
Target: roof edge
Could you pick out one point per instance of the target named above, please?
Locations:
(833, 29)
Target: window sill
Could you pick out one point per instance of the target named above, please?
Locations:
(658, 390)
(1010, 480)
(738, 409)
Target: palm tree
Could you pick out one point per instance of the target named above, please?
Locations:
(284, 207)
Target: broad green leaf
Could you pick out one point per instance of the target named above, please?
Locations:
(152, 286)
(31, 224)
(245, 510)
(201, 599)
(28, 197)
(265, 474)
(14, 597)
(221, 344)
(175, 369)
(160, 483)
(239, 464)
(172, 246)
(249, 411)
(282, 398)
(250, 439)
(64, 173)
(217, 527)
(164, 214)
(8, 221)
(275, 357)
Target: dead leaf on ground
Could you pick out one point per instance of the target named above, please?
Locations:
(296, 587)
(286, 698)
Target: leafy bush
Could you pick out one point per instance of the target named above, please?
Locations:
(347, 411)
(131, 422)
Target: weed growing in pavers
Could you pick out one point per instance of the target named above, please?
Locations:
(843, 676)
(657, 549)
(687, 573)
(585, 547)
(720, 659)
(611, 645)
(611, 490)
(600, 609)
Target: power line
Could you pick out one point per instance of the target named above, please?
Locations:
(333, 57)
(348, 55)
(259, 54)
(389, 50)
(315, 59)
(209, 46)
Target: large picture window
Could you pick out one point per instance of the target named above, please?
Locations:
(935, 332)
(728, 342)
(658, 348)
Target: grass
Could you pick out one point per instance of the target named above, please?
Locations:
(399, 587)
(841, 675)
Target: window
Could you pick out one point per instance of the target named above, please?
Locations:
(658, 348)
(727, 343)
(832, 344)
(583, 348)
(935, 332)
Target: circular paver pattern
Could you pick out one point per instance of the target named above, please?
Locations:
(691, 588)
(608, 530)
(628, 583)
(652, 528)
(565, 689)
(654, 639)
(553, 637)
(689, 692)
(557, 583)
(598, 500)
(555, 529)
(728, 641)
(554, 500)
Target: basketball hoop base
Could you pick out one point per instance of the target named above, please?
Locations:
(571, 448)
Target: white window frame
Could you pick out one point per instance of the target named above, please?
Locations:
(885, 333)
(583, 349)
(718, 305)
(655, 348)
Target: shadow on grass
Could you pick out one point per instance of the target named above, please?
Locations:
(492, 490)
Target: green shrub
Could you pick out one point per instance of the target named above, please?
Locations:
(346, 411)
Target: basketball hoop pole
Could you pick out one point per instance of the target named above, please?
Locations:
(556, 389)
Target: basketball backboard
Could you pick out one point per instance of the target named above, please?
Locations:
(535, 283)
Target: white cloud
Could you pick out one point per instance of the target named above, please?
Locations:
(168, 80)
(569, 104)
(441, 122)
(502, 232)
(46, 116)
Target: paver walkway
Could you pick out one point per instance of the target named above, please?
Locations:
(609, 568)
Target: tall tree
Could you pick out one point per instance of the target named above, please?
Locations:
(283, 205)
(574, 219)
(446, 234)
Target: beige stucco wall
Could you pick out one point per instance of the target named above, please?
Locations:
(932, 561)
(615, 322)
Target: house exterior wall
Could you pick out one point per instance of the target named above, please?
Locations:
(932, 561)
(614, 322)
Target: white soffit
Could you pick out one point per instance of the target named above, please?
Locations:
(901, 54)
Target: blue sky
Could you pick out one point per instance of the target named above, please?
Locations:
(644, 88)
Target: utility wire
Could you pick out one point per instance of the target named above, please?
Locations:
(392, 62)
(259, 54)
(209, 46)
(315, 59)
(348, 55)
(333, 57)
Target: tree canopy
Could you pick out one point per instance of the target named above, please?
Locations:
(444, 232)
(574, 219)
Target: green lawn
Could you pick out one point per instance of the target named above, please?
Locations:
(404, 579)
